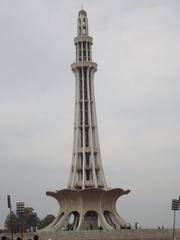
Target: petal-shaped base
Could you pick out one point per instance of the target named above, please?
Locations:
(87, 209)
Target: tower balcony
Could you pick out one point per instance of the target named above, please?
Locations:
(89, 183)
(83, 38)
(86, 150)
(85, 125)
(88, 64)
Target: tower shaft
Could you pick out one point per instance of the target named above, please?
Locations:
(86, 170)
(87, 203)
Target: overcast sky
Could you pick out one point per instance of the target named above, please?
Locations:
(136, 46)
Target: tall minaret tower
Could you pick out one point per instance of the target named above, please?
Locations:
(87, 203)
(86, 170)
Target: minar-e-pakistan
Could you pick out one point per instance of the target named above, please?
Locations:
(87, 203)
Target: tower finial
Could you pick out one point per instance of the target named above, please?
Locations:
(82, 28)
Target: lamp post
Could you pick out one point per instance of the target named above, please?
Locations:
(175, 207)
(20, 211)
(10, 209)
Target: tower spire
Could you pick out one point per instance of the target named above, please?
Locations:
(86, 169)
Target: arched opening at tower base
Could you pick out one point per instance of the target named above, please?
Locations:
(58, 219)
(72, 221)
(91, 220)
(111, 220)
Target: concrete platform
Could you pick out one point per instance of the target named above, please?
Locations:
(124, 234)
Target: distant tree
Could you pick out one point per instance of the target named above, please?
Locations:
(33, 221)
(29, 217)
(15, 223)
(46, 221)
